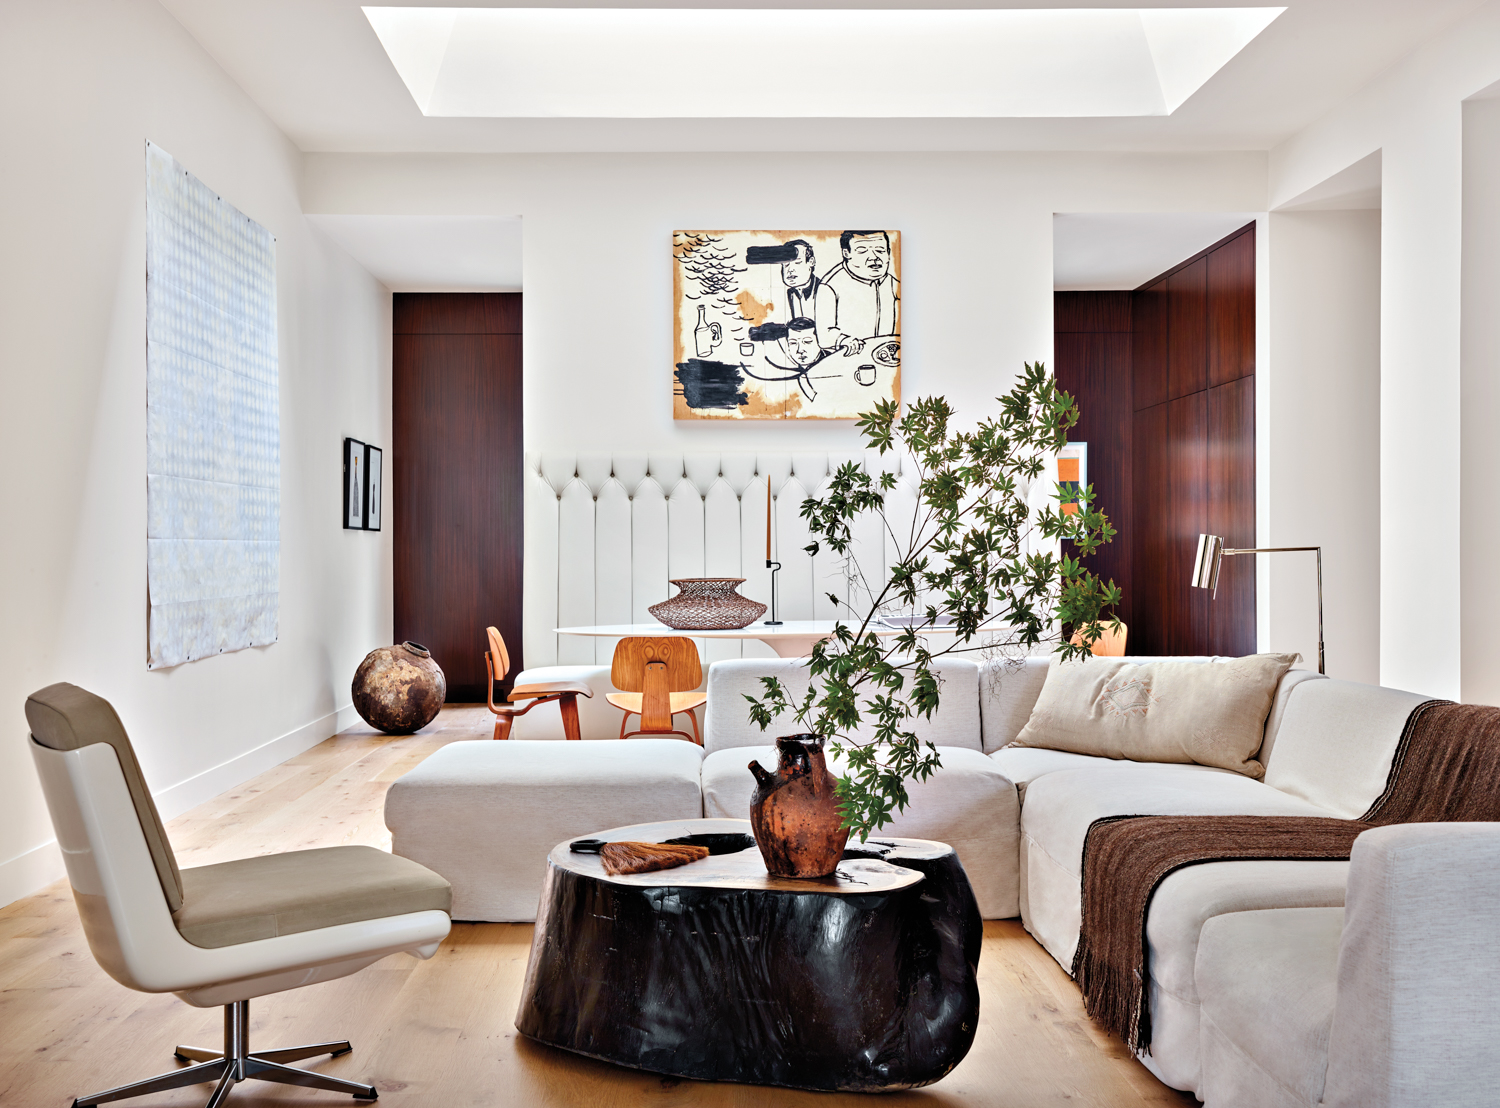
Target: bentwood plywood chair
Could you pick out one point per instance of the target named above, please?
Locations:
(658, 677)
(566, 693)
(220, 934)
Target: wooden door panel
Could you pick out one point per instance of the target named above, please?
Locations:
(1231, 310)
(1091, 312)
(457, 483)
(1152, 602)
(1095, 369)
(1187, 339)
(1231, 513)
(1187, 505)
(1148, 360)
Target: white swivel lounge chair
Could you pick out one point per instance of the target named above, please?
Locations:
(220, 934)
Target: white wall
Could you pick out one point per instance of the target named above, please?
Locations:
(976, 261)
(1413, 114)
(1480, 391)
(83, 86)
(977, 234)
(1322, 449)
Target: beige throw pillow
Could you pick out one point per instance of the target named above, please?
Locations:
(1211, 713)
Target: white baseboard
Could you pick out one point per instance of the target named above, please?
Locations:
(30, 872)
(39, 867)
(185, 795)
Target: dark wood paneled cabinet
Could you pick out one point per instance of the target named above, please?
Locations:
(457, 478)
(1187, 330)
(1165, 381)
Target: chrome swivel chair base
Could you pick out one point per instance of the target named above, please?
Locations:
(236, 1063)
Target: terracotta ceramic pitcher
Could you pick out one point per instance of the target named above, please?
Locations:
(795, 812)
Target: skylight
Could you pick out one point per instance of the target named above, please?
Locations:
(779, 63)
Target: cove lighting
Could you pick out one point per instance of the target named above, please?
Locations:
(741, 63)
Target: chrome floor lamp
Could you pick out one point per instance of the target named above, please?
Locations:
(1212, 552)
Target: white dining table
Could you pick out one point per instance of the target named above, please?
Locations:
(793, 638)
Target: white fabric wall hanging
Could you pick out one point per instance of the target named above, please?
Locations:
(213, 425)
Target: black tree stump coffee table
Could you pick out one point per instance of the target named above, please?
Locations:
(718, 971)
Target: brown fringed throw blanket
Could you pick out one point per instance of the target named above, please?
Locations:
(1446, 769)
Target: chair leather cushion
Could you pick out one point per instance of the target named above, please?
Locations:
(65, 717)
(282, 894)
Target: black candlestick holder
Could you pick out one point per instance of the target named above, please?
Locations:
(775, 568)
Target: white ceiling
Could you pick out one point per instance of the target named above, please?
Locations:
(432, 253)
(617, 63)
(318, 69)
(1124, 250)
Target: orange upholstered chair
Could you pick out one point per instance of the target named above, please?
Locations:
(566, 693)
(657, 677)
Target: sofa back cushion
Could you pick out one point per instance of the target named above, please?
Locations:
(1336, 741)
(1214, 715)
(727, 723)
(1008, 688)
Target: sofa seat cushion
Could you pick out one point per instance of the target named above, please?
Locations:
(1024, 764)
(967, 803)
(303, 890)
(1268, 981)
(955, 723)
(485, 814)
(1061, 806)
(1184, 902)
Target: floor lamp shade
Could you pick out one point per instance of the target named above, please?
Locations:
(1206, 565)
(1211, 554)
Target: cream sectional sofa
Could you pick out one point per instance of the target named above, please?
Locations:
(1016, 816)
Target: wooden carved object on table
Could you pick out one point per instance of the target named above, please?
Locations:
(566, 693)
(398, 689)
(795, 811)
(865, 980)
(657, 678)
(633, 857)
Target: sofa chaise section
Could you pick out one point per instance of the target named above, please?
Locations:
(1388, 1002)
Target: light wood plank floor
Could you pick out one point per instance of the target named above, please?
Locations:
(440, 1032)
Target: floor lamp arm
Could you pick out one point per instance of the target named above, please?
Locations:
(1290, 549)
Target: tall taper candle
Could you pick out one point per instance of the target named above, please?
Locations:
(768, 518)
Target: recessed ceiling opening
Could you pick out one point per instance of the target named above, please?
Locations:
(780, 63)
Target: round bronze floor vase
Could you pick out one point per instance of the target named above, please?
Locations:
(795, 811)
(399, 689)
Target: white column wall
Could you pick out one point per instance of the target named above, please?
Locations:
(1322, 450)
(1479, 484)
(1413, 114)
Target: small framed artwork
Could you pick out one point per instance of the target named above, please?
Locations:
(373, 458)
(354, 485)
(1072, 475)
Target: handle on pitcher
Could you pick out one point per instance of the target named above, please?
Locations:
(717, 330)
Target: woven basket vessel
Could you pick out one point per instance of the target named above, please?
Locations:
(708, 604)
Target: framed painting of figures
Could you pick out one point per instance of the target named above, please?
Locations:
(785, 324)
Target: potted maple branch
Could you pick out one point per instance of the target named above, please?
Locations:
(976, 554)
